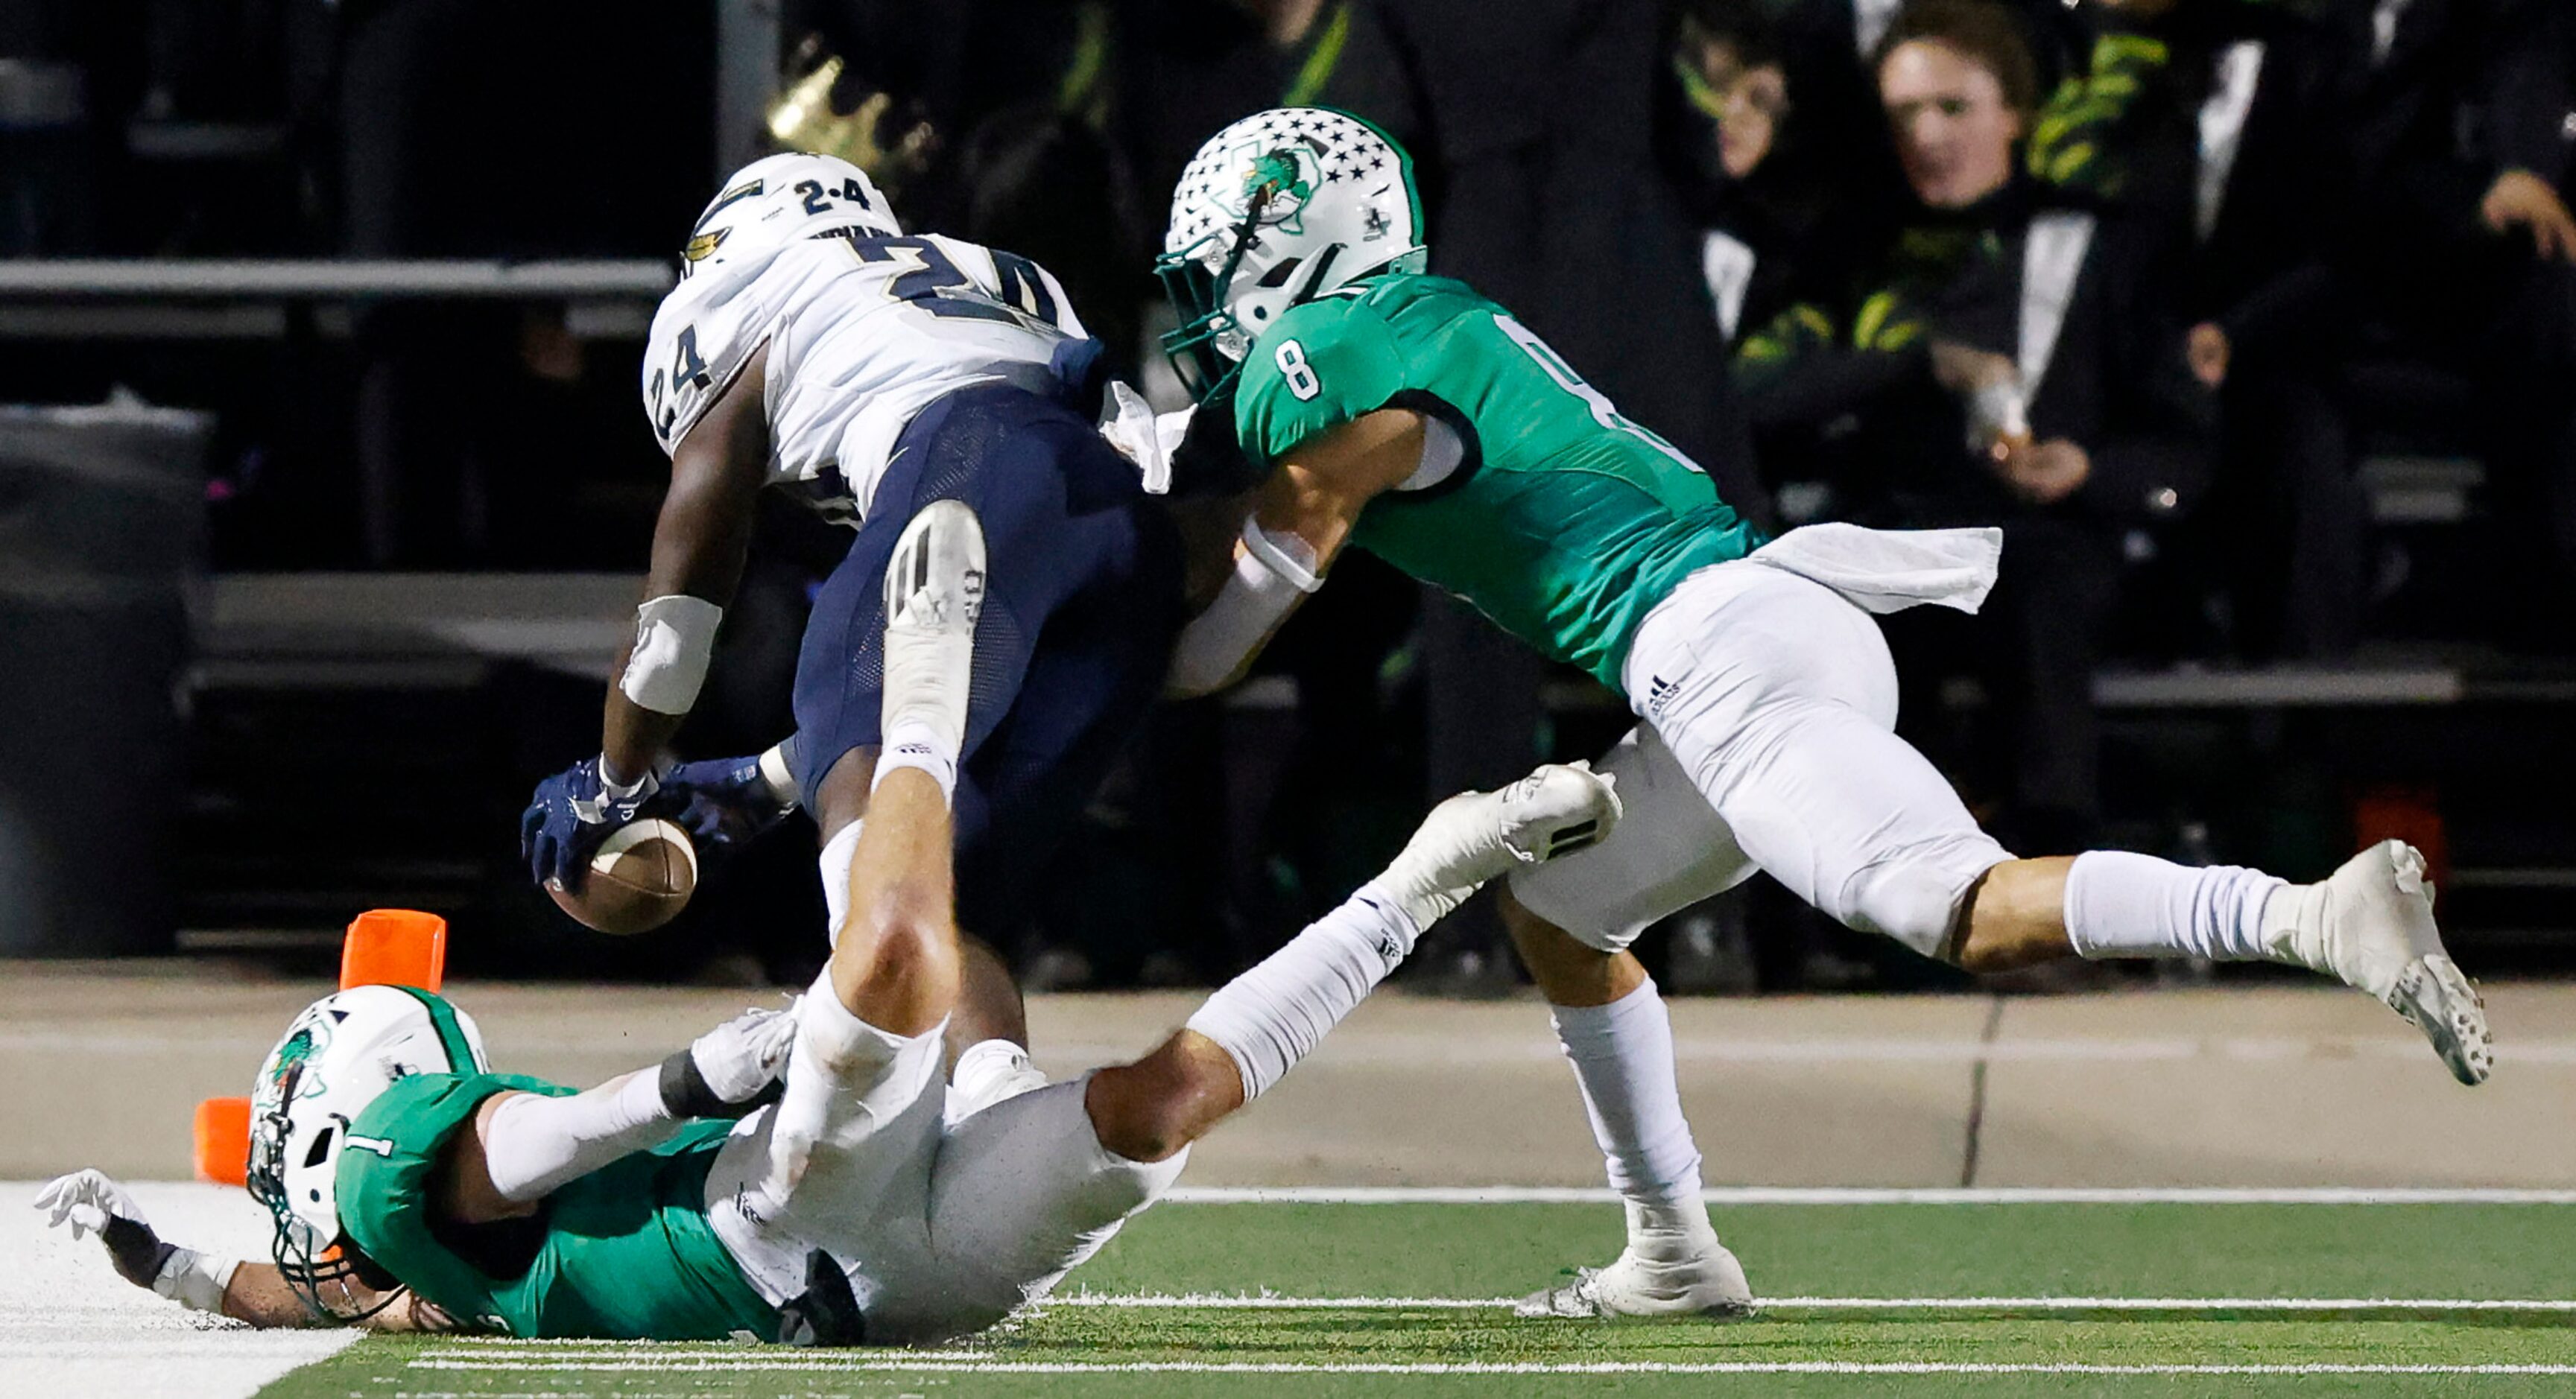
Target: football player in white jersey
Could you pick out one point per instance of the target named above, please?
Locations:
(814, 347)
(866, 1205)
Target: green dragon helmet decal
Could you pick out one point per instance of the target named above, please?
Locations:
(337, 1057)
(1279, 182)
(1277, 209)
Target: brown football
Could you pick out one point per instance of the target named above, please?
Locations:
(640, 879)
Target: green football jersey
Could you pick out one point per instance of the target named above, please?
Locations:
(626, 1252)
(1565, 523)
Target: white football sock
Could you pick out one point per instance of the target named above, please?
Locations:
(1623, 1060)
(840, 1058)
(923, 746)
(1273, 1015)
(2124, 905)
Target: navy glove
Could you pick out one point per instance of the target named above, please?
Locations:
(729, 799)
(573, 812)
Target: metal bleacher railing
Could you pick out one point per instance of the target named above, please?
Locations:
(313, 278)
(267, 299)
(232, 300)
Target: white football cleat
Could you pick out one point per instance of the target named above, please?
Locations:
(934, 591)
(1475, 836)
(2371, 924)
(1706, 1283)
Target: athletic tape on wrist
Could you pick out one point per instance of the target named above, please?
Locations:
(675, 637)
(644, 786)
(1284, 554)
(195, 1280)
(778, 769)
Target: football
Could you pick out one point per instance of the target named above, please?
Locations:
(640, 879)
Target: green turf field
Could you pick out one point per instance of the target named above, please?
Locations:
(1913, 1299)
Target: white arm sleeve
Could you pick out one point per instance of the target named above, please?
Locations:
(536, 1144)
(1268, 582)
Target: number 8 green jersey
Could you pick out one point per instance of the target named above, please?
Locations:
(1564, 522)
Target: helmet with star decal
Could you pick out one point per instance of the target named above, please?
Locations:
(1278, 209)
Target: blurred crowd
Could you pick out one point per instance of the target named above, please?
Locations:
(2142, 282)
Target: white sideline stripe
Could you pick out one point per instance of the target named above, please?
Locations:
(1212, 1302)
(1742, 1195)
(966, 1364)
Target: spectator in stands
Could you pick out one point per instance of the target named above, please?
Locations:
(1736, 117)
(2221, 120)
(1843, 162)
(2461, 116)
(2003, 360)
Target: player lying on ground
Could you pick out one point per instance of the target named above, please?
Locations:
(814, 348)
(1411, 417)
(413, 1190)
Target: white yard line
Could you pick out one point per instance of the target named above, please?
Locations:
(1213, 1302)
(811, 1362)
(1899, 1195)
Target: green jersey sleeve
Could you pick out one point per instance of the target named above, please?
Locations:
(389, 1166)
(1325, 363)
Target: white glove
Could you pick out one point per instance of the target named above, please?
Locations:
(744, 1055)
(1149, 439)
(86, 1200)
(91, 1203)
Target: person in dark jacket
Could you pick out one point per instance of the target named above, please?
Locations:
(1738, 140)
(2220, 122)
(2007, 360)
(2461, 121)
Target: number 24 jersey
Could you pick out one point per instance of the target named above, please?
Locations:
(863, 333)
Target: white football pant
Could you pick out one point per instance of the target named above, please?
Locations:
(1770, 744)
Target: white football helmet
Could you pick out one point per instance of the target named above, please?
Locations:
(1278, 209)
(338, 1056)
(784, 199)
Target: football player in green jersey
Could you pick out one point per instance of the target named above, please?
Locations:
(1404, 414)
(876, 1200)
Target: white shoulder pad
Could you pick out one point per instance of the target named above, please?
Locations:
(707, 329)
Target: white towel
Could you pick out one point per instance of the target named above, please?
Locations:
(1147, 438)
(1889, 570)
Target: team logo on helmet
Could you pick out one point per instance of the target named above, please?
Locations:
(704, 241)
(288, 1075)
(1279, 181)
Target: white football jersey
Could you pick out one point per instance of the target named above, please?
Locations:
(864, 331)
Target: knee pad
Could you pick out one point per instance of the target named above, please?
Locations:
(1576, 912)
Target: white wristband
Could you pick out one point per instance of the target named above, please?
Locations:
(778, 769)
(675, 637)
(195, 1280)
(1284, 554)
